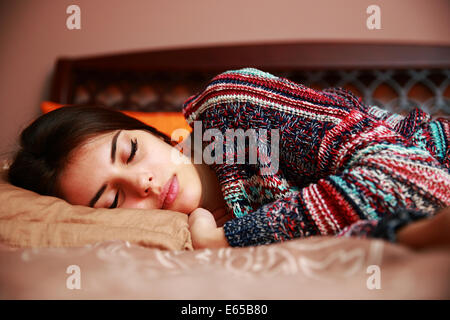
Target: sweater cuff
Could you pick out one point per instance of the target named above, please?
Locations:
(247, 231)
(385, 228)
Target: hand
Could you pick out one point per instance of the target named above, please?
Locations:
(204, 230)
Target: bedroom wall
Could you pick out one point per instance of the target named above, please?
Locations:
(33, 34)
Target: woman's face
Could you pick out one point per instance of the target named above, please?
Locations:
(130, 169)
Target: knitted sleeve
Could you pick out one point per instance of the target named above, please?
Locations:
(377, 172)
(349, 166)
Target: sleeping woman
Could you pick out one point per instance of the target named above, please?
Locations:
(339, 167)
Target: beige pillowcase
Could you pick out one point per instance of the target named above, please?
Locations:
(28, 219)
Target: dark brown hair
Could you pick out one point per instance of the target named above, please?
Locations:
(46, 144)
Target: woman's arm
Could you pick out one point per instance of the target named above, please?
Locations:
(425, 234)
(377, 172)
(361, 168)
(369, 191)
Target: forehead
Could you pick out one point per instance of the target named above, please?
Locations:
(92, 144)
(87, 169)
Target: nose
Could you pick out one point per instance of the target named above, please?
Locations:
(142, 184)
(146, 185)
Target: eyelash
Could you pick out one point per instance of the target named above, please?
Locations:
(134, 147)
(114, 204)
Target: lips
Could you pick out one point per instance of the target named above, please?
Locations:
(169, 192)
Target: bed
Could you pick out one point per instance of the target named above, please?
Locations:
(52, 250)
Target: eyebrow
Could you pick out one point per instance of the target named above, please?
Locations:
(113, 159)
(114, 146)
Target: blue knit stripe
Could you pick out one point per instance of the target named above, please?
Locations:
(439, 139)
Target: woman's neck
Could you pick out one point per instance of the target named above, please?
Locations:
(212, 196)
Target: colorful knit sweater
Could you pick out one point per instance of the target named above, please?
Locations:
(343, 166)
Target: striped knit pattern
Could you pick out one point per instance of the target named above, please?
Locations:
(341, 163)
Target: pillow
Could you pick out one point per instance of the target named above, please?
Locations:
(28, 219)
(166, 122)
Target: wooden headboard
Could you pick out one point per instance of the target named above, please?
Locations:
(396, 77)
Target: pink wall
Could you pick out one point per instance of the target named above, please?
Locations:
(33, 34)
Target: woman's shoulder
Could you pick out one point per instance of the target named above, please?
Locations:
(229, 87)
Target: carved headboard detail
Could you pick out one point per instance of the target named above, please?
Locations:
(396, 77)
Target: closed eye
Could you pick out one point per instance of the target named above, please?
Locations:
(130, 158)
(134, 147)
(116, 200)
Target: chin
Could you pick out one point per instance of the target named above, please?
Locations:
(186, 203)
(183, 209)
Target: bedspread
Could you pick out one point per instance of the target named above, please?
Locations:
(313, 268)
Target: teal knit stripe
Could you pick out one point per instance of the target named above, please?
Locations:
(252, 72)
(438, 137)
(420, 139)
(353, 192)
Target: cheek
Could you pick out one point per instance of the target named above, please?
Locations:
(156, 151)
(191, 189)
(140, 203)
(187, 204)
